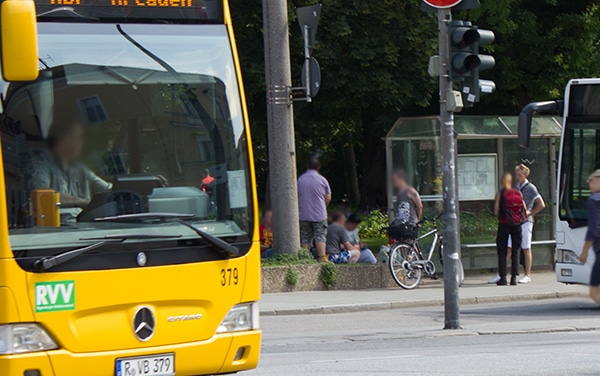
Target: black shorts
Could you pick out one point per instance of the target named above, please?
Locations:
(595, 280)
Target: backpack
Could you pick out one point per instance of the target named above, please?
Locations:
(512, 209)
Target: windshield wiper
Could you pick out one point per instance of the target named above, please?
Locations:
(139, 216)
(46, 263)
(222, 246)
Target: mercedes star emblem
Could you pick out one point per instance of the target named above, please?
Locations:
(143, 324)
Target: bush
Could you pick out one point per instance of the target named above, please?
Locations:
(291, 277)
(482, 225)
(373, 226)
(328, 275)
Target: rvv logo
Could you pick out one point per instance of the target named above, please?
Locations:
(54, 296)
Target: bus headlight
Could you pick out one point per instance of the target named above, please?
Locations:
(567, 257)
(24, 338)
(241, 317)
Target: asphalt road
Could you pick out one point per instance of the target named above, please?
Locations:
(553, 337)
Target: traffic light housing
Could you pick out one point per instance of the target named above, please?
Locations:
(466, 62)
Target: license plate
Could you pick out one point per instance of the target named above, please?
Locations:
(152, 365)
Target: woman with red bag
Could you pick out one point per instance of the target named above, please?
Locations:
(511, 212)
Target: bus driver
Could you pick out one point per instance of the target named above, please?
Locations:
(57, 168)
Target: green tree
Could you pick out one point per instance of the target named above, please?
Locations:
(374, 56)
(540, 45)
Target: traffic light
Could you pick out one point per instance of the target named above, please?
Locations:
(466, 62)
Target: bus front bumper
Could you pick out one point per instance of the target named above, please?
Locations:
(573, 273)
(224, 353)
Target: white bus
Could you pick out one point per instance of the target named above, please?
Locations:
(579, 156)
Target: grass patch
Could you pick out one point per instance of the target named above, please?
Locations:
(375, 244)
(303, 257)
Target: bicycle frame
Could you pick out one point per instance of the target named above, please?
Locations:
(436, 238)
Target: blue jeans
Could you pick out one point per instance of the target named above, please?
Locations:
(367, 257)
(268, 253)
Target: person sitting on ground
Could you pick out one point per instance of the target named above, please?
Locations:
(592, 237)
(338, 246)
(266, 234)
(366, 256)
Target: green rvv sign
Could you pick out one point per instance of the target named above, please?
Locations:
(54, 296)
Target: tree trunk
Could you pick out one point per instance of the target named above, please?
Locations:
(351, 174)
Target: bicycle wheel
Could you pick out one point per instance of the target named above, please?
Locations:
(406, 274)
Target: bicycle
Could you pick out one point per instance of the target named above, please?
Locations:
(408, 264)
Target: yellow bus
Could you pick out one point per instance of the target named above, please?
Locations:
(129, 229)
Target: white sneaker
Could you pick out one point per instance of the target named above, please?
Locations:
(525, 279)
(494, 280)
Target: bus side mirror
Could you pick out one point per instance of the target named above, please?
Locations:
(19, 40)
(526, 118)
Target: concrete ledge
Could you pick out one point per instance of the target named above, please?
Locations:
(349, 277)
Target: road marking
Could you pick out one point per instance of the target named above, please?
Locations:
(363, 359)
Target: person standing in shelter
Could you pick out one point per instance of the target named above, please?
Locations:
(534, 203)
(409, 206)
(592, 237)
(314, 195)
(511, 211)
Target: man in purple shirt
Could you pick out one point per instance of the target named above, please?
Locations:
(314, 194)
(592, 237)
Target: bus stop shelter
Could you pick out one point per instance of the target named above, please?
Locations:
(486, 148)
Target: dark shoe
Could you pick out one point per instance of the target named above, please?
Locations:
(513, 281)
(502, 282)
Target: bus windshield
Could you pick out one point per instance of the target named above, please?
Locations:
(581, 151)
(123, 120)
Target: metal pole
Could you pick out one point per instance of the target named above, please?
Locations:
(280, 125)
(450, 218)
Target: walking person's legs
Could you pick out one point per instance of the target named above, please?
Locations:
(501, 243)
(595, 281)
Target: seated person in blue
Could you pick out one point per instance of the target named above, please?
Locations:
(338, 246)
(57, 168)
(366, 256)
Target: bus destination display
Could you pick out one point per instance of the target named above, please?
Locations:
(201, 11)
(137, 3)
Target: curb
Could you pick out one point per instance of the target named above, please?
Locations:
(380, 306)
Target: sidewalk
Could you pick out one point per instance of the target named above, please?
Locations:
(431, 293)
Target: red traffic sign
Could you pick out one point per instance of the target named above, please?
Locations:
(442, 3)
